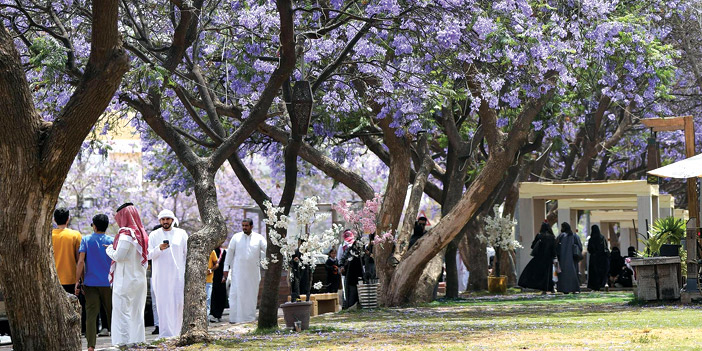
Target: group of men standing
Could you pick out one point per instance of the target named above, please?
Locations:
(111, 272)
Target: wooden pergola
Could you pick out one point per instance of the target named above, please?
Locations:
(635, 196)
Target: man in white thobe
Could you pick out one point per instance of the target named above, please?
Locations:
(244, 254)
(168, 247)
(128, 277)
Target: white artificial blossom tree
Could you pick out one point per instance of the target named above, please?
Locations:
(499, 233)
(311, 244)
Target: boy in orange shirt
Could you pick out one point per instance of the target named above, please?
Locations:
(66, 244)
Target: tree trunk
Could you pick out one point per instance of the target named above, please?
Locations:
(393, 202)
(200, 245)
(42, 315)
(476, 256)
(451, 270)
(426, 286)
(35, 157)
(268, 310)
(409, 270)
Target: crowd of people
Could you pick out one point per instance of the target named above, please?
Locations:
(108, 274)
(555, 265)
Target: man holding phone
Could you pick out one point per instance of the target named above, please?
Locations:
(168, 247)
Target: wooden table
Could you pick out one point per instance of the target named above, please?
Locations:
(322, 303)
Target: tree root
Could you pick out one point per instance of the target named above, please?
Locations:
(194, 337)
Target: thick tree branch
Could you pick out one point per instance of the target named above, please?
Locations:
(329, 70)
(210, 107)
(195, 116)
(316, 158)
(106, 65)
(403, 235)
(248, 181)
(260, 111)
(185, 32)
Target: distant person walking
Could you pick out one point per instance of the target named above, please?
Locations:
(569, 250)
(598, 268)
(244, 254)
(538, 273)
(168, 247)
(128, 277)
(219, 287)
(352, 269)
(94, 262)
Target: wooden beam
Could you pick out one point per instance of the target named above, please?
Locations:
(666, 128)
(665, 124)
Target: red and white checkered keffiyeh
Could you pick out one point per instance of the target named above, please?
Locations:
(130, 224)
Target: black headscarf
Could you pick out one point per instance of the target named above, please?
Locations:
(546, 228)
(565, 228)
(595, 232)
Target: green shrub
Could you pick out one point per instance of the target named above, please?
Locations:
(669, 230)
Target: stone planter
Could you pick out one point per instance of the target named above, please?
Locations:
(658, 278)
(297, 312)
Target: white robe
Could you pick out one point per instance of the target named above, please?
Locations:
(244, 255)
(128, 292)
(168, 278)
(463, 273)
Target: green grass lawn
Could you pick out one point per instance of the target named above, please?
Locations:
(597, 321)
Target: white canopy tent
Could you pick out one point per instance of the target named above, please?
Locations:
(687, 168)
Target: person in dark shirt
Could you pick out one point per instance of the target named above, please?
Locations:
(419, 230)
(332, 268)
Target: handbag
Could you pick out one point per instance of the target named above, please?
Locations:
(535, 249)
(577, 254)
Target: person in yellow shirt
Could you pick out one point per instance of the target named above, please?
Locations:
(212, 264)
(66, 244)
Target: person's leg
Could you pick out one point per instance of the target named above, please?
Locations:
(106, 304)
(92, 307)
(208, 292)
(154, 311)
(219, 299)
(81, 299)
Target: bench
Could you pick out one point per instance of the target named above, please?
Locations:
(322, 303)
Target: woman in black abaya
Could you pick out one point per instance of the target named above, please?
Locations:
(538, 273)
(598, 268)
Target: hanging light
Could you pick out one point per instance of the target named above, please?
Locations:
(302, 102)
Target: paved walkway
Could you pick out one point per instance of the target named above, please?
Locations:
(104, 342)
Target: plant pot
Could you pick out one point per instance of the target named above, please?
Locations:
(670, 250)
(497, 284)
(297, 311)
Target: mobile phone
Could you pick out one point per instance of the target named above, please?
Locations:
(165, 241)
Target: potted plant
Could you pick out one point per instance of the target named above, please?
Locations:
(303, 244)
(498, 233)
(664, 237)
(658, 276)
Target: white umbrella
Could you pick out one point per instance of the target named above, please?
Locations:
(687, 168)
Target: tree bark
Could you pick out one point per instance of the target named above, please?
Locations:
(268, 312)
(35, 157)
(476, 256)
(201, 244)
(393, 201)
